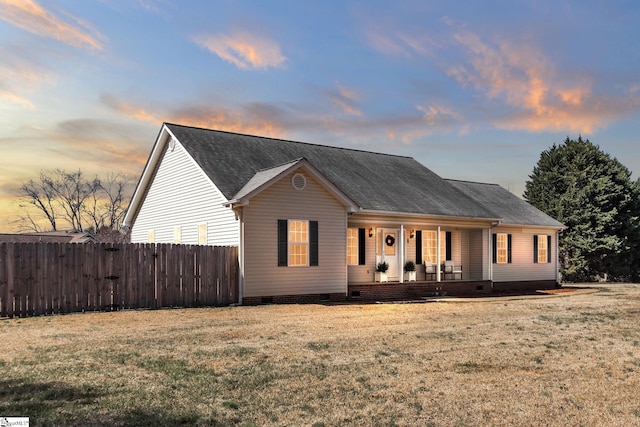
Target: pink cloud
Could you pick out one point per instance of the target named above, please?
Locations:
(244, 50)
(346, 99)
(20, 75)
(251, 119)
(30, 16)
(524, 78)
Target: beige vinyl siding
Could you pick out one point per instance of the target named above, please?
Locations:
(263, 276)
(181, 195)
(464, 253)
(474, 266)
(522, 267)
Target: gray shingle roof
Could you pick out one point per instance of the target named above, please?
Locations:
(50, 237)
(512, 209)
(374, 181)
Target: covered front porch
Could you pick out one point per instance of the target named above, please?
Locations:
(447, 253)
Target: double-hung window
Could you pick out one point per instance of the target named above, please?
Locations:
(430, 246)
(297, 243)
(202, 234)
(352, 246)
(356, 242)
(541, 249)
(501, 248)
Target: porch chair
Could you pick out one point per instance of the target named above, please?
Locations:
(452, 270)
(430, 270)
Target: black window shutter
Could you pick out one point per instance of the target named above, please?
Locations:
(448, 246)
(548, 249)
(418, 246)
(494, 245)
(535, 249)
(509, 248)
(361, 246)
(313, 242)
(283, 242)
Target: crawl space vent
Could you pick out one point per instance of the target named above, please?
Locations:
(298, 181)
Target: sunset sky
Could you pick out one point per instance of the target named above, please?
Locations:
(474, 90)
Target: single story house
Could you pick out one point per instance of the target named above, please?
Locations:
(313, 221)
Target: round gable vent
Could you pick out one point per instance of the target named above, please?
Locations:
(298, 181)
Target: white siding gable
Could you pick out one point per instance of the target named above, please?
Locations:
(181, 195)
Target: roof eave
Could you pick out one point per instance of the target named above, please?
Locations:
(426, 215)
(554, 227)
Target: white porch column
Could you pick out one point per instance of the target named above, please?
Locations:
(438, 260)
(490, 254)
(401, 253)
(557, 257)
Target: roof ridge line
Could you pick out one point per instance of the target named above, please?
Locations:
(471, 182)
(289, 140)
(290, 162)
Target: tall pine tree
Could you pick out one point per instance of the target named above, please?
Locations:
(593, 195)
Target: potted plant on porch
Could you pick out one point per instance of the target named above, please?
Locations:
(410, 271)
(381, 272)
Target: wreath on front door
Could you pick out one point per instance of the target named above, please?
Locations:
(390, 240)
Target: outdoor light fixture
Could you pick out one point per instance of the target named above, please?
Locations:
(412, 234)
(371, 232)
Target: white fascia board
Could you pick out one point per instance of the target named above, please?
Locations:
(428, 216)
(549, 227)
(147, 173)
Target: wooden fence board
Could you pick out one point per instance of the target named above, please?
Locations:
(4, 286)
(11, 279)
(48, 278)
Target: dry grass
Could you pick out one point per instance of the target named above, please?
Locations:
(564, 359)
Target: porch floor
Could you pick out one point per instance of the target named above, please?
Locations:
(416, 290)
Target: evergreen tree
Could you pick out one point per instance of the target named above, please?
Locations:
(593, 195)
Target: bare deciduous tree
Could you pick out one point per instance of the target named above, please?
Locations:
(40, 195)
(106, 206)
(81, 202)
(115, 187)
(72, 191)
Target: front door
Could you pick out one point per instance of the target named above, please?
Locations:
(389, 252)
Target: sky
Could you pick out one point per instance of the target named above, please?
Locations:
(474, 90)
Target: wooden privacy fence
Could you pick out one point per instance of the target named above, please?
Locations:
(46, 278)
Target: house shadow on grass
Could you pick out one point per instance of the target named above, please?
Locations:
(60, 404)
